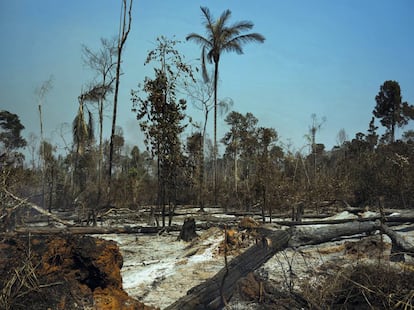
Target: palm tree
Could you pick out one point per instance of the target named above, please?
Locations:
(221, 37)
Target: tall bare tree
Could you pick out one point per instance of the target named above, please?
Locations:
(124, 28)
(41, 94)
(311, 137)
(220, 38)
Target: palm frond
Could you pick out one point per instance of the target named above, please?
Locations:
(198, 39)
(224, 17)
(235, 44)
(208, 18)
(241, 26)
(250, 37)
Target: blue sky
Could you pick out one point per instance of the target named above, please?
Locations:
(321, 56)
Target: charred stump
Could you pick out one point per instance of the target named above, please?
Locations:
(188, 230)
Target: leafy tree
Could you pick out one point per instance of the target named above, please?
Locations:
(372, 137)
(10, 135)
(390, 109)
(221, 37)
(241, 145)
(161, 117)
(408, 136)
(138, 177)
(195, 164)
(266, 137)
(11, 161)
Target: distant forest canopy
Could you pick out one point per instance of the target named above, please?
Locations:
(255, 170)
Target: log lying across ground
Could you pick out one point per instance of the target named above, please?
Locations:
(90, 230)
(318, 235)
(207, 295)
(390, 219)
(397, 240)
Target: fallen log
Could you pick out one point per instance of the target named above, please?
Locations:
(398, 242)
(90, 230)
(391, 219)
(207, 294)
(318, 235)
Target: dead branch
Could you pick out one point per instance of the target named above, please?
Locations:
(22, 201)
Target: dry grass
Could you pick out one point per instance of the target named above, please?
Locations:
(21, 281)
(364, 286)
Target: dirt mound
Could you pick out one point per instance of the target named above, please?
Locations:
(62, 272)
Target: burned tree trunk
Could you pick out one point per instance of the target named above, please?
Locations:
(207, 294)
(188, 230)
(318, 235)
(398, 243)
(88, 230)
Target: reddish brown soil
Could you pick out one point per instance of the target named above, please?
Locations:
(62, 272)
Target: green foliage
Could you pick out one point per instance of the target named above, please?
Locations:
(195, 168)
(390, 109)
(11, 127)
(161, 116)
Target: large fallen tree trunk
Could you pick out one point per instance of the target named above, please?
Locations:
(91, 230)
(207, 295)
(397, 241)
(317, 235)
(391, 219)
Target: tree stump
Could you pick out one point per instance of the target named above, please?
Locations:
(188, 230)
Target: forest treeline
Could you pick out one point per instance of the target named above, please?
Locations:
(255, 170)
